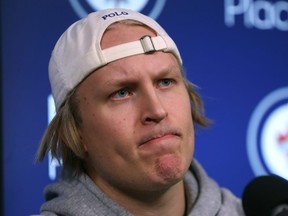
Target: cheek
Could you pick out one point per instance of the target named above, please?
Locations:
(101, 129)
(186, 117)
(182, 108)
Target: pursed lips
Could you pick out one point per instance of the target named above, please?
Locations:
(159, 136)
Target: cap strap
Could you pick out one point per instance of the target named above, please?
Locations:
(146, 44)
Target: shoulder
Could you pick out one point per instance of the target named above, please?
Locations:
(210, 198)
(76, 197)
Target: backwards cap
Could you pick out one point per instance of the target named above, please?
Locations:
(77, 53)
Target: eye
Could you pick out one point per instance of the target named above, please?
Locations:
(122, 93)
(165, 82)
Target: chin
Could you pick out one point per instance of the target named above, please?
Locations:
(170, 169)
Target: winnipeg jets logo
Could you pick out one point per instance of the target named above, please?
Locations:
(282, 141)
(129, 4)
(152, 8)
(267, 137)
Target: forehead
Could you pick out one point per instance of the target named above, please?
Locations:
(134, 69)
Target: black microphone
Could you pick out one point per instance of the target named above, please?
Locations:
(266, 196)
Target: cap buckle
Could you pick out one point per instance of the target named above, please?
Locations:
(147, 44)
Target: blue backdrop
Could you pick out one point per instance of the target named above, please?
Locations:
(235, 51)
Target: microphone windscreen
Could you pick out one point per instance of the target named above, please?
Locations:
(263, 194)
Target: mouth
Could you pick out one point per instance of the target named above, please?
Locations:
(158, 136)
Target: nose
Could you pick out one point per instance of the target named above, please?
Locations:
(153, 110)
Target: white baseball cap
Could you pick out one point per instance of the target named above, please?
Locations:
(77, 53)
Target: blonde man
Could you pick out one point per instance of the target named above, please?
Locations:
(124, 126)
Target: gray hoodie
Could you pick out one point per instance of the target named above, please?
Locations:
(81, 197)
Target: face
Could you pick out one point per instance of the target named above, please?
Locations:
(136, 127)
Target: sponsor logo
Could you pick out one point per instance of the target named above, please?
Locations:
(267, 135)
(260, 14)
(152, 8)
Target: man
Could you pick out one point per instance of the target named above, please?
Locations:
(124, 126)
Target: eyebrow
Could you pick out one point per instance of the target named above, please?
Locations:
(124, 80)
(174, 70)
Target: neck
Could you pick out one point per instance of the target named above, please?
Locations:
(170, 202)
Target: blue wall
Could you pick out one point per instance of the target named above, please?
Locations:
(236, 52)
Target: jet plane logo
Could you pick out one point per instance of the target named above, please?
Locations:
(282, 140)
(152, 8)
